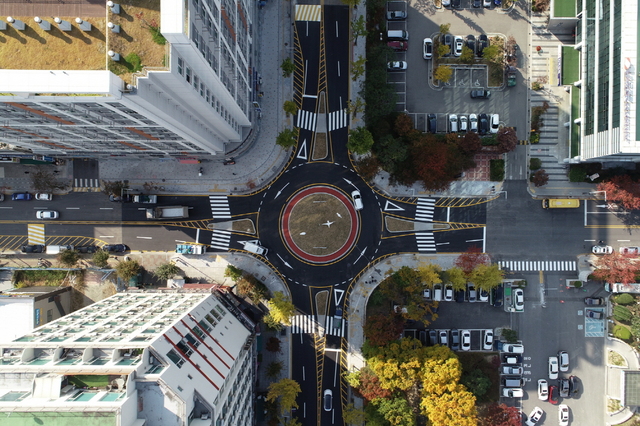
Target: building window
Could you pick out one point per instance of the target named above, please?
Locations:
(206, 96)
(180, 389)
(175, 357)
(204, 325)
(180, 66)
(211, 320)
(189, 376)
(199, 332)
(49, 315)
(202, 90)
(196, 82)
(188, 76)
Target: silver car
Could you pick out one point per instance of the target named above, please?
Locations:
(47, 214)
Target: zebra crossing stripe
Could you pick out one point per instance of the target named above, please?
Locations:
(306, 120)
(425, 208)
(307, 324)
(308, 12)
(538, 265)
(337, 119)
(86, 183)
(36, 233)
(220, 239)
(220, 206)
(426, 241)
(331, 330)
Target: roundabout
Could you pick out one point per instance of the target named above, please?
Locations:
(319, 224)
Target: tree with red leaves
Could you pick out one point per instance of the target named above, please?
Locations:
(507, 139)
(501, 415)
(370, 386)
(430, 158)
(616, 268)
(381, 329)
(540, 178)
(473, 257)
(622, 190)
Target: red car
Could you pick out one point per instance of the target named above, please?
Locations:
(398, 45)
(553, 395)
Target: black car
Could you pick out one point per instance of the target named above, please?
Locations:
(594, 314)
(476, 3)
(480, 94)
(432, 123)
(455, 339)
(116, 248)
(563, 385)
(87, 249)
(495, 296)
(593, 301)
(483, 42)
(459, 296)
(455, 4)
(37, 248)
(471, 42)
(447, 40)
(433, 337)
(574, 385)
(483, 124)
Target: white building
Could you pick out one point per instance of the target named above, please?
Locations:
(161, 358)
(192, 96)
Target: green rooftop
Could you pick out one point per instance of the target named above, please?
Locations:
(575, 129)
(570, 65)
(564, 8)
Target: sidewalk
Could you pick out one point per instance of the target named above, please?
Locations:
(614, 376)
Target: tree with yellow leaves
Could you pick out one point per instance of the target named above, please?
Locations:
(287, 390)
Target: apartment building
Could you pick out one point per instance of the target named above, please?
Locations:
(172, 80)
(153, 358)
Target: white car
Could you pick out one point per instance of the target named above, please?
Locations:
(488, 340)
(427, 48)
(512, 371)
(47, 214)
(553, 367)
(328, 400)
(630, 251)
(458, 42)
(466, 340)
(448, 292)
(357, 200)
(44, 196)
(563, 415)
(486, 3)
(534, 416)
(601, 249)
(518, 299)
(495, 123)
(543, 390)
(563, 358)
(473, 123)
(397, 66)
(512, 348)
(453, 123)
(464, 123)
(512, 392)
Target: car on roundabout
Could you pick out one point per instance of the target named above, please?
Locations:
(357, 200)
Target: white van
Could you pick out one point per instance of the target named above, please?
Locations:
(437, 292)
(255, 247)
(397, 35)
(57, 249)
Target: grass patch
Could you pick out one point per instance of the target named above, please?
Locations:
(39, 278)
(575, 129)
(577, 173)
(243, 225)
(570, 63)
(564, 9)
(90, 381)
(398, 225)
(614, 358)
(496, 170)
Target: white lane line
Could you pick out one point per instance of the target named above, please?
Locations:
(73, 208)
(105, 236)
(145, 238)
(106, 208)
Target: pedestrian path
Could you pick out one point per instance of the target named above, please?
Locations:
(426, 242)
(424, 211)
(338, 119)
(535, 265)
(220, 239)
(306, 120)
(86, 183)
(220, 206)
(36, 233)
(307, 324)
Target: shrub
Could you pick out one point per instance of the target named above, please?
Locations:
(535, 163)
(232, 272)
(576, 284)
(496, 170)
(68, 257)
(288, 67)
(534, 137)
(100, 258)
(625, 299)
(536, 85)
(166, 271)
(133, 62)
(540, 178)
(157, 36)
(577, 173)
(620, 313)
(621, 332)
(511, 336)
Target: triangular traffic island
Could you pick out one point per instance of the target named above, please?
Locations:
(320, 140)
(394, 224)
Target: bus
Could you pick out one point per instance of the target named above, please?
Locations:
(560, 203)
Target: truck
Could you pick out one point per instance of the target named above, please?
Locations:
(190, 248)
(145, 199)
(168, 212)
(622, 288)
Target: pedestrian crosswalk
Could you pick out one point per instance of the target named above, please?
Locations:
(307, 324)
(424, 211)
(220, 239)
(306, 120)
(36, 233)
(426, 242)
(220, 206)
(86, 183)
(338, 119)
(538, 265)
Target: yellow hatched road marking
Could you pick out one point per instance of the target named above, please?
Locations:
(308, 12)
(36, 233)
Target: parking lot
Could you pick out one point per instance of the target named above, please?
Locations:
(418, 94)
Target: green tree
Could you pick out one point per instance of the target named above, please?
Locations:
(359, 27)
(443, 50)
(468, 56)
(127, 269)
(68, 257)
(511, 336)
(486, 277)
(274, 369)
(493, 53)
(286, 391)
(101, 258)
(252, 288)
(233, 272)
(352, 416)
(288, 67)
(397, 411)
(445, 28)
(477, 382)
(166, 271)
(360, 140)
(443, 73)
(287, 138)
(351, 3)
(457, 277)
(281, 310)
(290, 107)
(358, 67)
(355, 106)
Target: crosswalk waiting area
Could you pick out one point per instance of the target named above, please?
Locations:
(538, 265)
(307, 324)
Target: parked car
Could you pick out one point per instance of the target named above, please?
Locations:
(517, 371)
(518, 299)
(486, 3)
(87, 249)
(471, 290)
(594, 314)
(512, 359)
(631, 251)
(448, 292)
(399, 46)
(116, 248)
(457, 45)
(483, 43)
(543, 390)
(126, 198)
(483, 296)
(512, 382)
(396, 15)
(21, 196)
(397, 66)
(453, 123)
(495, 123)
(574, 385)
(563, 359)
(455, 339)
(357, 200)
(1, 197)
(487, 344)
(471, 43)
(426, 293)
(443, 337)
(432, 123)
(464, 123)
(513, 348)
(433, 337)
(476, 3)
(563, 385)
(455, 4)
(553, 367)
(466, 340)
(328, 400)
(437, 292)
(459, 296)
(601, 249)
(36, 248)
(496, 296)
(447, 40)
(594, 301)
(554, 398)
(47, 214)
(473, 123)
(427, 48)
(483, 125)
(446, 3)
(563, 415)
(512, 392)
(44, 196)
(480, 94)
